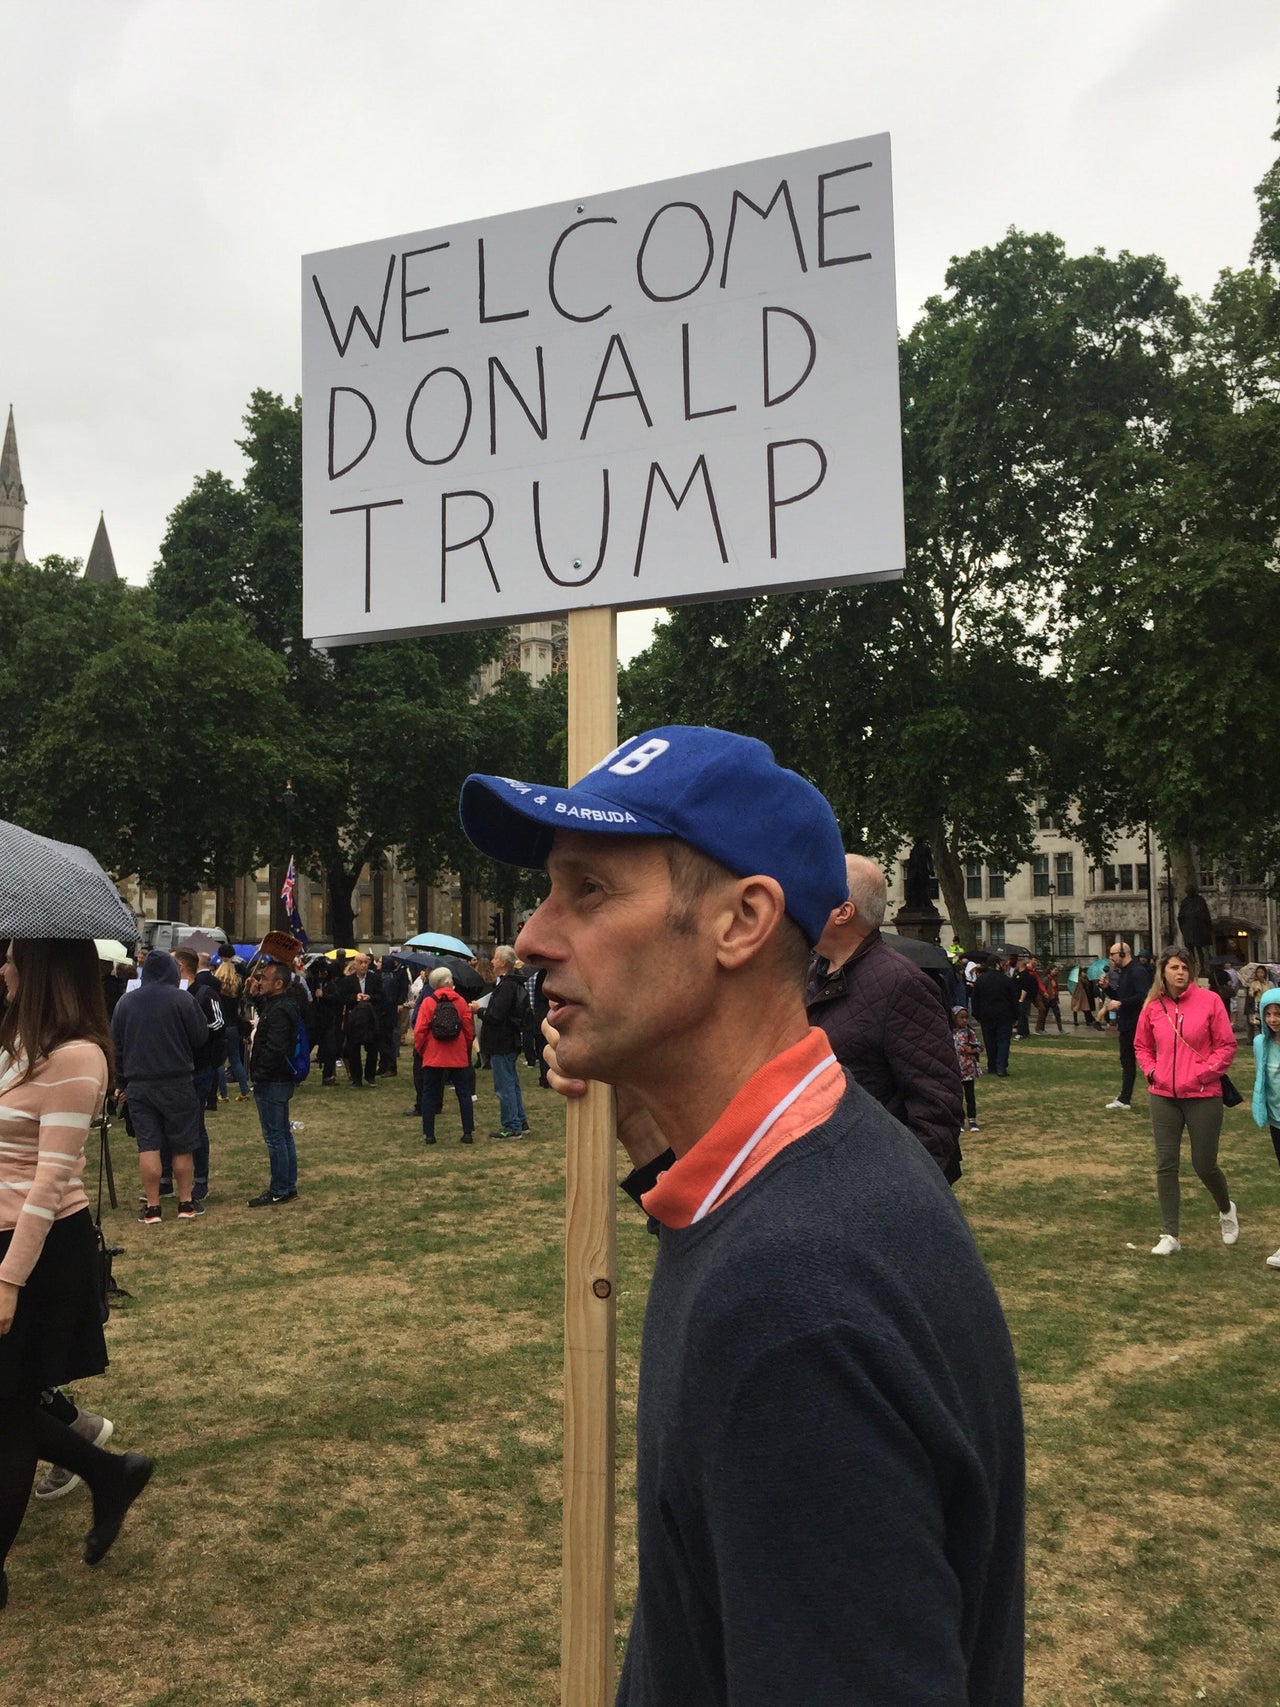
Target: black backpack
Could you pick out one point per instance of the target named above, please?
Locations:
(446, 1021)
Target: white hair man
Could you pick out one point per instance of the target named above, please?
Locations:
(829, 1442)
(886, 1019)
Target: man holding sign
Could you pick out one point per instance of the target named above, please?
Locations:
(830, 1470)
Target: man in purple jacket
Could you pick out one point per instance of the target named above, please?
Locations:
(886, 1019)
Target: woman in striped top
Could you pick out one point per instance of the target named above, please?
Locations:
(55, 1054)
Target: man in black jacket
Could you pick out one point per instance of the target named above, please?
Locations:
(363, 999)
(271, 1069)
(1128, 986)
(887, 1022)
(1028, 989)
(995, 1007)
(201, 985)
(395, 995)
(500, 1039)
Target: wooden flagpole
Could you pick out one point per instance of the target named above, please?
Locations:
(587, 1611)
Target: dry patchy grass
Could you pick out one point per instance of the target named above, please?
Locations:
(354, 1401)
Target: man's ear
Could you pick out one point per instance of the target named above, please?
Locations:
(748, 917)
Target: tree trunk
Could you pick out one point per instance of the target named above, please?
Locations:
(951, 883)
(1185, 867)
(341, 885)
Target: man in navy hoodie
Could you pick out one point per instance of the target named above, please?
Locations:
(829, 1462)
(156, 1033)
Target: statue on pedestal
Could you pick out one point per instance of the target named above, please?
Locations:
(918, 917)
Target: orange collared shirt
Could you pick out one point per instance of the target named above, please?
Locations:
(682, 1189)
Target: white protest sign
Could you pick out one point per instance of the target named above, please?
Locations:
(682, 391)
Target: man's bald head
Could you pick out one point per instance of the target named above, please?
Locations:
(853, 921)
(868, 890)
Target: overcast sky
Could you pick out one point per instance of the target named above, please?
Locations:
(166, 163)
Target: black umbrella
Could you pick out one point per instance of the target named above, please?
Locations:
(925, 954)
(1015, 948)
(55, 889)
(466, 980)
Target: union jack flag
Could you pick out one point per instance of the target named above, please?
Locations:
(288, 894)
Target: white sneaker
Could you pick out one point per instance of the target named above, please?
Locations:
(1273, 1261)
(1230, 1223)
(1118, 1104)
(973, 1126)
(1166, 1246)
(56, 1481)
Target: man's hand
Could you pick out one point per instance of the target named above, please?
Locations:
(8, 1305)
(638, 1132)
(559, 1082)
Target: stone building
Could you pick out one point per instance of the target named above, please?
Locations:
(1063, 907)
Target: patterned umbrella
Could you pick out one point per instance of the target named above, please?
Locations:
(54, 889)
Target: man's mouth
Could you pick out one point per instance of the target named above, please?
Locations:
(558, 1006)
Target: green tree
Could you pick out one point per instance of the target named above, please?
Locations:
(928, 709)
(132, 732)
(1266, 245)
(1173, 606)
(381, 735)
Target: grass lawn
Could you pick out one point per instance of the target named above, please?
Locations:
(354, 1402)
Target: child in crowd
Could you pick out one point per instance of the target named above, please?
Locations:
(968, 1051)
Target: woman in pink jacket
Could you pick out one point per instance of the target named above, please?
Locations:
(1184, 1044)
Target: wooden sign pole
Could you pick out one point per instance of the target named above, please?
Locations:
(587, 1611)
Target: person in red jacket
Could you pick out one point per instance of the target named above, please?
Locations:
(442, 1038)
(1184, 1044)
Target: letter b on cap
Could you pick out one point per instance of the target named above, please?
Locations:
(640, 758)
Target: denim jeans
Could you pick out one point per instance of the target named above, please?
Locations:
(234, 1064)
(273, 1116)
(510, 1103)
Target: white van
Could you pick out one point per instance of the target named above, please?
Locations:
(170, 934)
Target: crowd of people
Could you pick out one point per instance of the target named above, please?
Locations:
(835, 1423)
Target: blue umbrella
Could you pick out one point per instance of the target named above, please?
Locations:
(1097, 969)
(445, 944)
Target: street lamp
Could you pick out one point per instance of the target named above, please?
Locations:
(288, 798)
(1052, 940)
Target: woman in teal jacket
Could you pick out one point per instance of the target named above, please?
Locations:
(1266, 1080)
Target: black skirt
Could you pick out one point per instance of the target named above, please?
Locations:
(56, 1335)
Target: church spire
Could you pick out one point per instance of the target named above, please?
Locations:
(13, 500)
(102, 564)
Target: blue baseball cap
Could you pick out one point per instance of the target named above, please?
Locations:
(724, 794)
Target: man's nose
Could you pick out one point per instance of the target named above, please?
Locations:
(532, 943)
